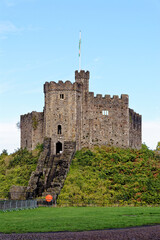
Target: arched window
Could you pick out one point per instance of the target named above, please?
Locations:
(59, 129)
(26, 144)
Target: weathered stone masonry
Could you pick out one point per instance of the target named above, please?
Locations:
(73, 118)
(72, 113)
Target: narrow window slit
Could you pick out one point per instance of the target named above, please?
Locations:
(59, 129)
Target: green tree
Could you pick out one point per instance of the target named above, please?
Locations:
(4, 152)
(158, 146)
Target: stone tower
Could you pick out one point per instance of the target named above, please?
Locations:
(72, 113)
(61, 113)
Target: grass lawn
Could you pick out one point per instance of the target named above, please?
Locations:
(48, 219)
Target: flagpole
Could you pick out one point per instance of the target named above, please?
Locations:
(79, 51)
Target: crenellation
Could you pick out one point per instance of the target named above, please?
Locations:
(60, 82)
(135, 129)
(122, 98)
(31, 129)
(61, 86)
(91, 94)
(116, 97)
(125, 99)
(72, 113)
(98, 96)
(107, 96)
(82, 74)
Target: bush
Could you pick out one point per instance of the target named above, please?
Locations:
(16, 169)
(113, 175)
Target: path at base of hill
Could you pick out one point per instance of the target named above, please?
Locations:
(137, 233)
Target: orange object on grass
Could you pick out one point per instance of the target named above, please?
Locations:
(49, 198)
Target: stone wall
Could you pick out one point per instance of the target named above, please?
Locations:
(26, 131)
(82, 78)
(107, 121)
(135, 131)
(61, 112)
(37, 128)
(31, 129)
(72, 113)
(18, 192)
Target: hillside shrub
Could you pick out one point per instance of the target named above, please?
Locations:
(16, 169)
(109, 176)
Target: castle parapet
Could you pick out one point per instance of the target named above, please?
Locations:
(123, 99)
(115, 97)
(106, 96)
(135, 119)
(81, 75)
(61, 86)
(31, 129)
(99, 96)
(91, 94)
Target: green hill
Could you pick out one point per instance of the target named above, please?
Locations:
(101, 176)
(109, 176)
(15, 169)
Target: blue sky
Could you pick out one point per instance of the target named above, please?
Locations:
(39, 42)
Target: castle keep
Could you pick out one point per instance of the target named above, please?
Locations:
(73, 114)
(73, 118)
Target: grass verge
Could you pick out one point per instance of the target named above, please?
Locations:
(77, 218)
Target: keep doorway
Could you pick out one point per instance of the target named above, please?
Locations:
(58, 147)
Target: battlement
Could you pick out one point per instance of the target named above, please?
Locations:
(33, 113)
(61, 86)
(135, 125)
(81, 75)
(135, 118)
(123, 98)
(134, 114)
(31, 129)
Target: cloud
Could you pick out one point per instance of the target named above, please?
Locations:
(9, 137)
(151, 133)
(8, 27)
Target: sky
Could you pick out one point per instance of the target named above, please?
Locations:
(120, 47)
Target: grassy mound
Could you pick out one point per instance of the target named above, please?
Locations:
(15, 169)
(101, 176)
(108, 176)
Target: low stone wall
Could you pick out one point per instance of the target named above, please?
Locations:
(18, 193)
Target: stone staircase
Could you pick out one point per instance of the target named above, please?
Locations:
(51, 170)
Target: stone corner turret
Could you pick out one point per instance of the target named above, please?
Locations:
(82, 74)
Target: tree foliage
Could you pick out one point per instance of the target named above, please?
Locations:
(15, 169)
(158, 146)
(4, 152)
